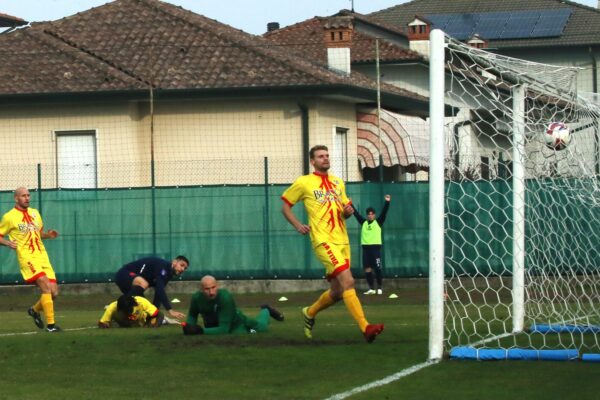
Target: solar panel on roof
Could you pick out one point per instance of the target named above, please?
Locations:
(461, 26)
(491, 25)
(439, 21)
(552, 24)
(520, 25)
(503, 25)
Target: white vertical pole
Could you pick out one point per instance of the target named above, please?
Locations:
(436, 194)
(518, 290)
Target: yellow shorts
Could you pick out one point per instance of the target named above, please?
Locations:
(33, 269)
(334, 257)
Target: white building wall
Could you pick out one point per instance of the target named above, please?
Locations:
(195, 142)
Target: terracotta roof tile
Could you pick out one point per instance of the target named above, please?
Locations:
(10, 21)
(43, 65)
(307, 39)
(125, 44)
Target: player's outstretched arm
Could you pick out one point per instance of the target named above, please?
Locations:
(386, 206)
(176, 314)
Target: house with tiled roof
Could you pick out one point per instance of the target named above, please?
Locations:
(555, 32)
(372, 46)
(95, 98)
(8, 21)
(558, 32)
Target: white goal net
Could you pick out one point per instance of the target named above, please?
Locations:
(521, 205)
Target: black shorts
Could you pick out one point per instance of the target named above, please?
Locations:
(371, 256)
(124, 279)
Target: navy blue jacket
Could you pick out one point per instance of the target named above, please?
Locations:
(157, 272)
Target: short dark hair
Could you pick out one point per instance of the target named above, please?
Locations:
(125, 304)
(315, 148)
(183, 258)
(370, 210)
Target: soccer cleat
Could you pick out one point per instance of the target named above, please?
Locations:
(308, 323)
(53, 328)
(37, 319)
(372, 331)
(275, 314)
(379, 291)
(370, 291)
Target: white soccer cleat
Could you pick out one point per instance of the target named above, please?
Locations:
(379, 291)
(370, 291)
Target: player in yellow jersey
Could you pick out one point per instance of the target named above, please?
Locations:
(25, 230)
(327, 207)
(131, 312)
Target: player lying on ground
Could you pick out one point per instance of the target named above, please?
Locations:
(137, 276)
(220, 314)
(131, 312)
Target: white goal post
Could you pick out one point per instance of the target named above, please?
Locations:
(514, 265)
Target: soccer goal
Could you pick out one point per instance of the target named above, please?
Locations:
(514, 210)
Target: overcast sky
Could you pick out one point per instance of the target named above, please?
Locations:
(249, 15)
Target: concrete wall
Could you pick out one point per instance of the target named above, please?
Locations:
(235, 286)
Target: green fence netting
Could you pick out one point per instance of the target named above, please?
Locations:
(235, 232)
(238, 232)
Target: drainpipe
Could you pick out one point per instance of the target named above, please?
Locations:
(305, 136)
(306, 170)
(594, 70)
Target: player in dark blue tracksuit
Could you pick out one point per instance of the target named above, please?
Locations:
(135, 277)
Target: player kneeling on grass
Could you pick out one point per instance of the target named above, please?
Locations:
(220, 314)
(131, 312)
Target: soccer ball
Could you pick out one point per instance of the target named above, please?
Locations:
(558, 136)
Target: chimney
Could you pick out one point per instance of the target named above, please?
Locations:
(338, 40)
(418, 35)
(477, 42)
(272, 26)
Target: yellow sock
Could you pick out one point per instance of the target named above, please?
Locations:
(48, 306)
(353, 305)
(37, 307)
(322, 303)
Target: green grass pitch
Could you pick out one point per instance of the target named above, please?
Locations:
(90, 363)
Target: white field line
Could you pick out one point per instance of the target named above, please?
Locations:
(43, 331)
(484, 341)
(384, 381)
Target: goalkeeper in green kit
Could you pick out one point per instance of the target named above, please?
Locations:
(220, 314)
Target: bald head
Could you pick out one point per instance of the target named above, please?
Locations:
(208, 285)
(22, 197)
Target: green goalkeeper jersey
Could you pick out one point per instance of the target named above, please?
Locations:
(220, 315)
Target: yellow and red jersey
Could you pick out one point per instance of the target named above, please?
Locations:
(142, 312)
(24, 227)
(324, 198)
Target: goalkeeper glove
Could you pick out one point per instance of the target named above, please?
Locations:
(191, 329)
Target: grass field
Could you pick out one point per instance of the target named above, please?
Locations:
(88, 363)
